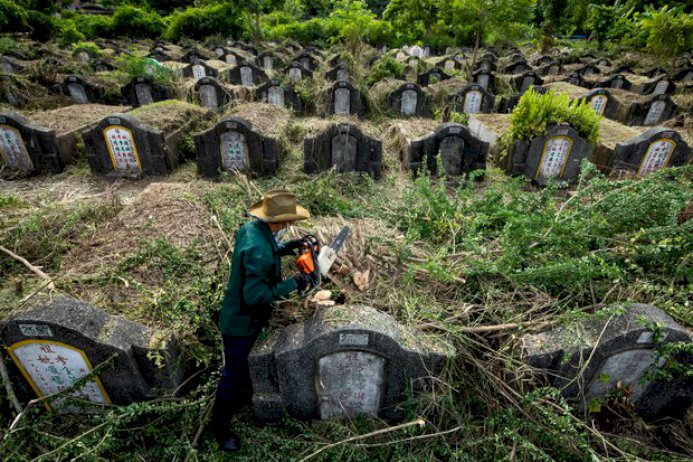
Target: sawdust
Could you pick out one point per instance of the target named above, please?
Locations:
(266, 118)
(74, 118)
(168, 116)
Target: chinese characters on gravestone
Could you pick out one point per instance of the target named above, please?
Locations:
(51, 367)
(198, 71)
(13, 149)
(234, 150)
(275, 96)
(342, 103)
(472, 102)
(410, 101)
(657, 156)
(247, 76)
(598, 103)
(555, 157)
(655, 112)
(122, 148)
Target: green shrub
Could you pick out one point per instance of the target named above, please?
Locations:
(12, 16)
(535, 112)
(42, 27)
(385, 67)
(137, 66)
(6, 44)
(95, 25)
(199, 23)
(69, 34)
(91, 47)
(670, 30)
(129, 21)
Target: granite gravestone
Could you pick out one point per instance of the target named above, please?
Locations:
(233, 145)
(211, 94)
(603, 103)
(416, 51)
(344, 147)
(589, 70)
(247, 75)
(578, 80)
(120, 145)
(80, 90)
(199, 69)
(519, 67)
(474, 99)
(660, 85)
(522, 83)
(345, 99)
(450, 64)
(307, 60)
(653, 150)
(460, 152)
(594, 358)
(409, 100)
(431, 76)
(616, 81)
(268, 61)
(553, 68)
(486, 65)
(343, 362)
(141, 91)
(297, 72)
(554, 155)
(484, 78)
(232, 58)
(276, 93)
(652, 111)
(337, 73)
(57, 343)
(26, 148)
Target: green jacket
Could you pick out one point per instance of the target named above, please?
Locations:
(255, 281)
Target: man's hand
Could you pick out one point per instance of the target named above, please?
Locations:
(293, 245)
(303, 282)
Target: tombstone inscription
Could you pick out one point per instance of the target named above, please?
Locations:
(460, 152)
(26, 147)
(345, 147)
(653, 150)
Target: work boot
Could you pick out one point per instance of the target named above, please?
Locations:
(219, 424)
(229, 443)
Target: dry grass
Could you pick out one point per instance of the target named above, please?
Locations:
(72, 118)
(267, 118)
(567, 88)
(169, 116)
(611, 132)
(498, 123)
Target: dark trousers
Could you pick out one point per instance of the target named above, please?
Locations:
(234, 388)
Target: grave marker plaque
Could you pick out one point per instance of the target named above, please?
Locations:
(410, 101)
(234, 151)
(198, 71)
(211, 94)
(122, 148)
(247, 76)
(474, 99)
(460, 151)
(345, 147)
(295, 75)
(142, 91)
(208, 97)
(342, 101)
(554, 158)
(13, 148)
(26, 148)
(345, 99)
(653, 150)
(598, 104)
(77, 92)
(275, 96)
(231, 59)
(472, 102)
(655, 112)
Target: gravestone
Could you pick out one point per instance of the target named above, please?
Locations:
(199, 69)
(337, 60)
(450, 64)
(685, 74)
(102, 65)
(345, 147)
(297, 72)
(211, 94)
(233, 145)
(589, 70)
(652, 111)
(543, 60)
(192, 56)
(345, 99)
(485, 65)
(247, 75)
(141, 91)
(57, 343)
(460, 152)
(603, 103)
(623, 69)
(522, 83)
(604, 62)
(484, 78)
(488, 56)
(339, 72)
(416, 51)
(519, 67)
(660, 85)
(516, 57)
(654, 72)
(268, 61)
(554, 155)
(232, 58)
(26, 148)
(653, 150)
(591, 359)
(409, 100)
(553, 68)
(616, 81)
(431, 76)
(276, 93)
(307, 60)
(474, 99)
(342, 362)
(120, 145)
(80, 90)
(578, 80)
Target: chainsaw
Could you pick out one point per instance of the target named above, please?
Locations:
(315, 260)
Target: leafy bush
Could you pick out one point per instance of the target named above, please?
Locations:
(6, 44)
(535, 112)
(129, 21)
(198, 23)
(670, 30)
(69, 33)
(12, 16)
(91, 47)
(385, 67)
(95, 25)
(137, 66)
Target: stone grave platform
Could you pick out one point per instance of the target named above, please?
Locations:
(343, 362)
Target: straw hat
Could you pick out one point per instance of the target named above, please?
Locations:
(278, 205)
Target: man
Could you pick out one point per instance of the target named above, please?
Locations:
(254, 285)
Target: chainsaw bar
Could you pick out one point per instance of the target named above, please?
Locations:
(328, 254)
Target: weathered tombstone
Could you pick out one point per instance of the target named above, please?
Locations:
(409, 100)
(55, 344)
(517, 68)
(654, 72)
(578, 80)
(247, 75)
(268, 61)
(474, 99)
(121, 146)
(342, 362)
(485, 65)
(622, 352)
(274, 92)
(589, 70)
(345, 147)
(102, 65)
(235, 145)
(616, 81)
(26, 147)
(345, 99)
(211, 94)
(232, 58)
(651, 111)
(450, 64)
(552, 68)
(685, 74)
(522, 83)
(416, 51)
(339, 72)
(307, 60)
(431, 76)
(460, 152)
(297, 72)
(660, 85)
(80, 90)
(603, 103)
(554, 155)
(199, 69)
(653, 150)
(543, 60)
(484, 78)
(142, 90)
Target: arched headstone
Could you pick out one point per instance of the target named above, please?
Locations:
(474, 99)
(603, 103)
(345, 99)
(409, 100)
(345, 147)
(431, 76)
(460, 151)
(247, 75)
(211, 94)
(142, 91)
(297, 72)
(653, 150)
(484, 78)
(276, 93)
(26, 148)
